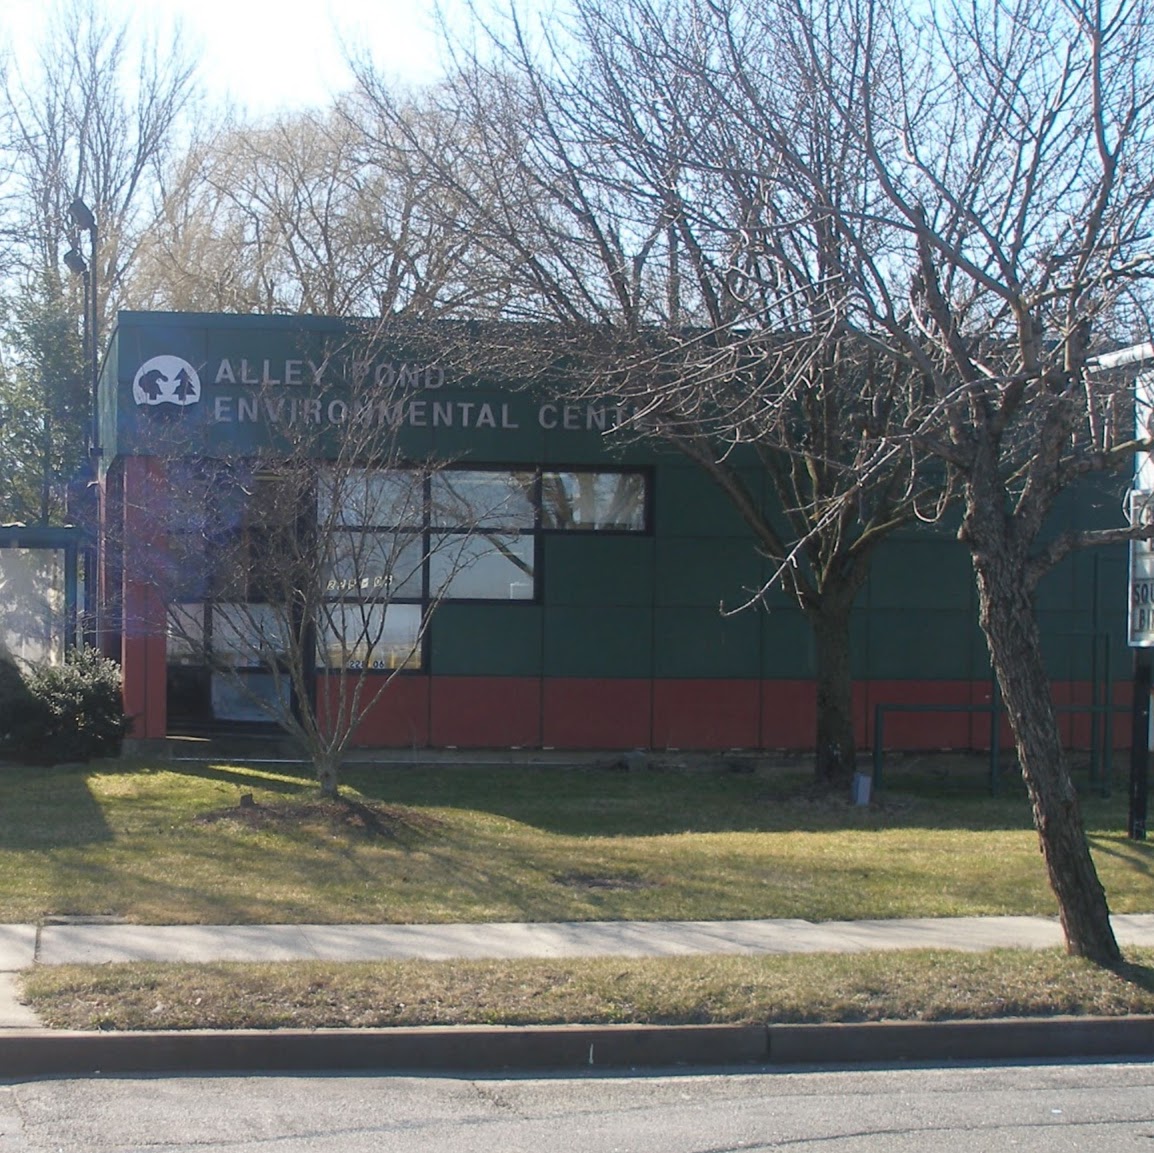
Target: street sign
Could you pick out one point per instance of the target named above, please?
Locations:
(1141, 625)
(1140, 630)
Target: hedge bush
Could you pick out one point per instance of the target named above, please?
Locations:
(16, 703)
(72, 712)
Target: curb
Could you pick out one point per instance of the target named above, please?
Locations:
(1005, 1039)
(472, 1048)
(38, 1053)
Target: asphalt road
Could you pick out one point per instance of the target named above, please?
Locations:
(1056, 1108)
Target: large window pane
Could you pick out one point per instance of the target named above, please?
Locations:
(484, 566)
(246, 635)
(257, 564)
(376, 498)
(255, 553)
(365, 635)
(486, 499)
(374, 566)
(603, 501)
(186, 572)
(277, 499)
(185, 640)
(32, 604)
(249, 696)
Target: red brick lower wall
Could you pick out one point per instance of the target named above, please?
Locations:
(577, 713)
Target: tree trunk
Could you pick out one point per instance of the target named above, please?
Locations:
(1011, 630)
(328, 770)
(835, 756)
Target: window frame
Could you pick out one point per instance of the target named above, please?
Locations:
(645, 476)
(530, 522)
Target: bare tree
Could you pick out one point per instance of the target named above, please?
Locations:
(96, 115)
(320, 213)
(301, 578)
(1009, 151)
(1020, 262)
(963, 191)
(663, 253)
(91, 113)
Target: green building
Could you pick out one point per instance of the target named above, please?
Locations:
(591, 618)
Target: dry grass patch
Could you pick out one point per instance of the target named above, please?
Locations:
(173, 844)
(327, 816)
(916, 985)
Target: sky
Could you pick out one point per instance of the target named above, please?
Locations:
(269, 55)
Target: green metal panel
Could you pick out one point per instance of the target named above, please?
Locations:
(1103, 573)
(787, 644)
(589, 432)
(1100, 501)
(920, 574)
(486, 640)
(1066, 616)
(720, 571)
(701, 642)
(1067, 645)
(914, 644)
(1057, 591)
(688, 503)
(598, 641)
(494, 425)
(588, 568)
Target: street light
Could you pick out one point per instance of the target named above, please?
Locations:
(83, 218)
(78, 266)
(82, 215)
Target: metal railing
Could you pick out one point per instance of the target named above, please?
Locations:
(1101, 712)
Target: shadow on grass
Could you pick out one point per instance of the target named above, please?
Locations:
(1140, 976)
(585, 800)
(591, 801)
(1137, 856)
(32, 800)
(333, 817)
(388, 854)
(288, 779)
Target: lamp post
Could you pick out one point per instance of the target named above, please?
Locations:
(78, 266)
(84, 220)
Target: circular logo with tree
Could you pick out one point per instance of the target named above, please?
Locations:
(166, 380)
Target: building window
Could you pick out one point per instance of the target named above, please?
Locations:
(482, 498)
(230, 558)
(387, 498)
(482, 565)
(362, 635)
(247, 636)
(594, 501)
(375, 564)
(386, 546)
(372, 537)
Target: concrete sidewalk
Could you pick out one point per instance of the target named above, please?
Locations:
(85, 941)
(28, 1050)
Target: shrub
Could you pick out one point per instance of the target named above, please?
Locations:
(75, 711)
(16, 703)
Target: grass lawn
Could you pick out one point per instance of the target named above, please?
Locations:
(173, 843)
(919, 985)
(170, 843)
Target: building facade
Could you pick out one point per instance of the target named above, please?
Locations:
(588, 599)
